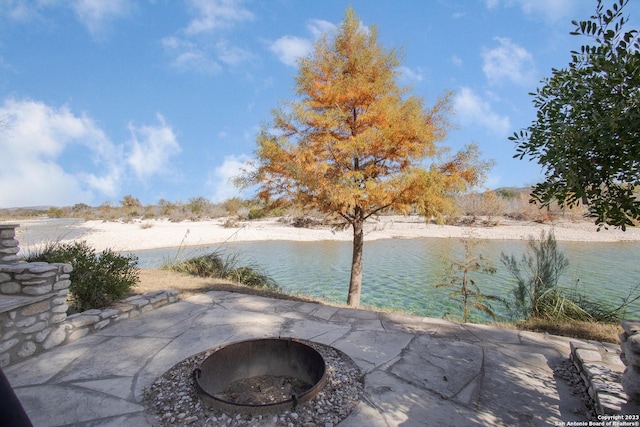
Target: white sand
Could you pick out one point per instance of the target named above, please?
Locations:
(150, 234)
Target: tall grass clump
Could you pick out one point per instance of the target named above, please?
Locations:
(97, 279)
(536, 275)
(227, 267)
(537, 294)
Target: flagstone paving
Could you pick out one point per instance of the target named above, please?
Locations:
(418, 371)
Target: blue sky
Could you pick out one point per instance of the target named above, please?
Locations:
(162, 99)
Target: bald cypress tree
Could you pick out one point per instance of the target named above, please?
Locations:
(355, 143)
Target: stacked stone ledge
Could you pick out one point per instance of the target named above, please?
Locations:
(630, 356)
(600, 368)
(33, 309)
(81, 324)
(8, 244)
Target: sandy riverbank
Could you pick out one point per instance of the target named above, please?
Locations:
(151, 234)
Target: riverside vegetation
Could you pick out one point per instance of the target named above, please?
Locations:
(97, 280)
(219, 266)
(536, 302)
(487, 209)
(101, 279)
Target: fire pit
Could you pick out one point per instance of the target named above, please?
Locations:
(261, 376)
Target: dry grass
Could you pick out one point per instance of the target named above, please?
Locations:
(153, 280)
(603, 332)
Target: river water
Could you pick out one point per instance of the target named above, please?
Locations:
(398, 273)
(401, 273)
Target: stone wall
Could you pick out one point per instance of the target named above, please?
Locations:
(32, 302)
(630, 356)
(33, 309)
(8, 244)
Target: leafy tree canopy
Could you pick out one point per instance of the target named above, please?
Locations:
(587, 131)
(354, 142)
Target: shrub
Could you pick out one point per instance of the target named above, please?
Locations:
(536, 274)
(217, 266)
(466, 292)
(507, 193)
(55, 213)
(306, 222)
(538, 296)
(230, 223)
(129, 202)
(232, 206)
(491, 207)
(166, 207)
(97, 280)
(198, 205)
(257, 213)
(210, 265)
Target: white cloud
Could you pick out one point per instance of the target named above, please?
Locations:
(212, 15)
(290, 48)
(220, 179)
(41, 184)
(472, 110)
(408, 75)
(35, 140)
(96, 15)
(108, 184)
(456, 60)
(189, 56)
(194, 49)
(508, 61)
(551, 11)
(319, 27)
(151, 149)
(232, 55)
(19, 10)
(58, 157)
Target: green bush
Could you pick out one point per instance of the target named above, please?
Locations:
(217, 266)
(199, 205)
(55, 213)
(536, 274)
(538, 296)
(257, 213)
(97, 280)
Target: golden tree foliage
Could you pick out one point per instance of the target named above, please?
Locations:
(354, 142)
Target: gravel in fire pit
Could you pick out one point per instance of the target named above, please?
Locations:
(173, 399)
(262, 390)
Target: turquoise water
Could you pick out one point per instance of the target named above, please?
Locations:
(400, 273)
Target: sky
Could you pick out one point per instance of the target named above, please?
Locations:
(163, 99)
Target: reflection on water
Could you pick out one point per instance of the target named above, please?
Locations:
(400, 273)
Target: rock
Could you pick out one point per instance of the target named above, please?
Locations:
(633, 343)
(631, 382)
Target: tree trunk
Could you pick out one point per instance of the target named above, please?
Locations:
(355, 284)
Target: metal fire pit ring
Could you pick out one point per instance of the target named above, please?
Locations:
(251, 358)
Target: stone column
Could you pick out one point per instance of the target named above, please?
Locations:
(8, 244)
(630, 356)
